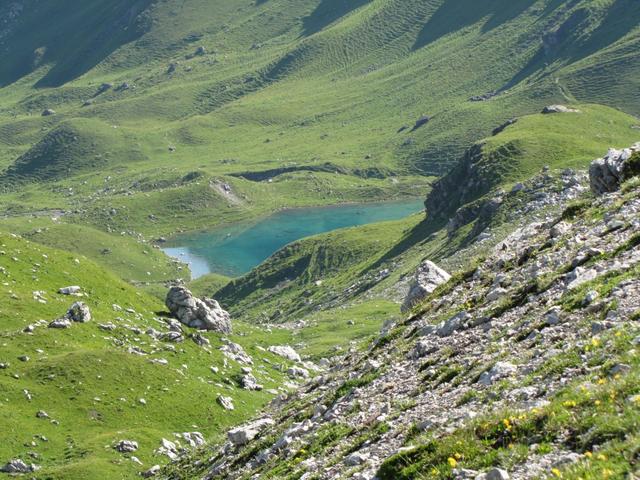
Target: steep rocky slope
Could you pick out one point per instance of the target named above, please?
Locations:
(522, 366)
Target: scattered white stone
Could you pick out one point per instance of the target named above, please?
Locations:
(426, 280)
(285, 351)
(242, 435)
(73, 290)
(125, 446)
(225, 402)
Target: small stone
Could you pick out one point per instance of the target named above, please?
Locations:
(69, 290)
(125, 446)
(60, 323)
(356, 458)
(225, 402)
(497, 474)
(152, 472)
(286, 352)
(249, 382)
(498, 371)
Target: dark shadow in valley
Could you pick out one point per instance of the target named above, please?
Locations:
(327, 12)
(568, 43)
(72, 37)
(456, 15)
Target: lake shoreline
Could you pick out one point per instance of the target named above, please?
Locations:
(233, 250)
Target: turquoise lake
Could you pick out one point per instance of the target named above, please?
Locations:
(236, 249)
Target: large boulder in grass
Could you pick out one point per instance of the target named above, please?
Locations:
(607, 173)
(427, 278)
(203, 314)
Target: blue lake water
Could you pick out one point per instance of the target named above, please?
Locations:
(236, 249)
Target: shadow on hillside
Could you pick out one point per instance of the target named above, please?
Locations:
(327, 12)
(71, 38)
(568, 44)
(455, 15)
(418, 234)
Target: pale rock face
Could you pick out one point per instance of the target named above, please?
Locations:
(235, 352)
(606, 174)
(249, 382)
(286, 352)
(203, 314)
(427, 278)
(60, 323)
(559, 109)
(225, 402)
(499, 371)
(242, 435)
(578, 276)
(167, 448)
(194, 439)
(72, 290)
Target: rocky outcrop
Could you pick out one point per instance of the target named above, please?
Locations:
(79, 312)
(18, 466)
(126, 446)
(203, 314)
(243, 435)
(559, 109)
(606, 174)
(285, 351)
(426, 280)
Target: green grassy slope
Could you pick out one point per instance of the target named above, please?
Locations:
(321, 270)
(82, 377)
(290, 84)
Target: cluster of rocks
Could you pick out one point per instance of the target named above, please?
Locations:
(607, 173)
(203, 314)
(466, 355)
(78, 312)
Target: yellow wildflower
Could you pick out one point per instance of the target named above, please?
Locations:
(588, 454)
(453, 463)
(457, 456)
(602, 457)
(556, 473)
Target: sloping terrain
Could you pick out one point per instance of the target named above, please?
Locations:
(118, 376)
(524, 362)
(327, 270)
(228, 88)
(124, 122)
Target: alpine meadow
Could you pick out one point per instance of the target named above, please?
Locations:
(320, 239)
